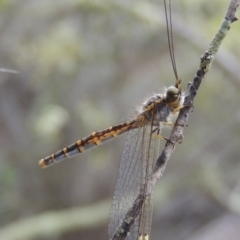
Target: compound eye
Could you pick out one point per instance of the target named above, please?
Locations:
(173, 94)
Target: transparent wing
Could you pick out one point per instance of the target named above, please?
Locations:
(137, 161)
(151, 154)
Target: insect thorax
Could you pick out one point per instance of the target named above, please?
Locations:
(156, 110)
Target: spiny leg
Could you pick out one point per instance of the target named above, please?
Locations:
(156, 134)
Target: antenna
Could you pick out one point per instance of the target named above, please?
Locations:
(168, 15)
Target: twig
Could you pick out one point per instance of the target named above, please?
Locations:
(177, 132)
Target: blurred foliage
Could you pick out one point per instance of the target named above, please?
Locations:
(84, 66)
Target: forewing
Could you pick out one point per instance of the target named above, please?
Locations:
(136, 163)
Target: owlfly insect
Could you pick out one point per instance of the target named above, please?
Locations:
(139, 153)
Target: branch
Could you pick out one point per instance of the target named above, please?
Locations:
(182, 120)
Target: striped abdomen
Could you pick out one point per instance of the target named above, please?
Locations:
(95, 139)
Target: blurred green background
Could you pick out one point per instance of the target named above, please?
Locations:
(84, 66)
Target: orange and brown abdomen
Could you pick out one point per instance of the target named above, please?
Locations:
(95, 139)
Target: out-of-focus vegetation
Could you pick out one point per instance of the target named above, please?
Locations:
(84, 66)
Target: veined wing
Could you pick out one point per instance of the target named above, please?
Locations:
(137, 161)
